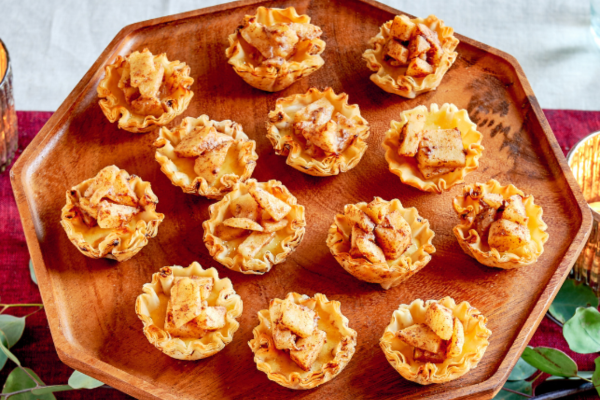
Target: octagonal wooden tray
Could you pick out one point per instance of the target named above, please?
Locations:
(90, 303)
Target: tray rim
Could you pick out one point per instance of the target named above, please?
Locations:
(139, 388)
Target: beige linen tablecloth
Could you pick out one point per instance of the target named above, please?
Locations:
(52, 43)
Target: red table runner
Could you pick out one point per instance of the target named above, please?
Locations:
(36, 350)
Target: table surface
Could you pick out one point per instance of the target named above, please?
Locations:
(52, 43)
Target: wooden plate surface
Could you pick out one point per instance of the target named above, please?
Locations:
(90, 303)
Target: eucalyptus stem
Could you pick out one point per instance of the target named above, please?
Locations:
(556, 321)
(37, 385)
(5, 396)
(518, 393)
(565, 392)
(7, 306)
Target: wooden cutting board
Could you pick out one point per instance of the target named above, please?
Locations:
(90, 303)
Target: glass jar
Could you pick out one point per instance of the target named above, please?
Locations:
(9, 136)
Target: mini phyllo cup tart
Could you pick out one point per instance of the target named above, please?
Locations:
(111, 215)
(275, 48)
(319, 132)
(206, 157)
(189, 313)
(381, 242)
(144, 92)
(302, 342)
(411, 56)
(255, 226)
(499, 226)
(435, 341)
(433, 150)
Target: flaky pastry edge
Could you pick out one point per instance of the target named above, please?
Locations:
(285, 143)
(116, 108)
(468, 238)
(304, 379)
(408, 86)
(254, 266)
(196, 348)
(168, 139)
(393, 272)
(406, 167)
(476, 342)
(113, 245)
(272, 79)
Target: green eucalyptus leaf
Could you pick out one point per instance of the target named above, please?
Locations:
(3, 357)
(19, 380)
(52, 389)
(521, 371)
(32, 272)
(582, 332)
(8, 353)
(550, 361)
(82, 381)
(12, 327)
(517, 386)
(596, 376)
(569, 297)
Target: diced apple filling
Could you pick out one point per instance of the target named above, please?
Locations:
(377, 242)
(186, 300)
(109, 201)
(278, 209)
(188, 313)
(200, 140)
(294, 329)
(111, 215)
(277, 41)
(440, 151)
(411, 135)
(415, 45)
(208, 164)
(322, 126)
(439, 338)
(140, 81)
(502, 222)
(309, 349)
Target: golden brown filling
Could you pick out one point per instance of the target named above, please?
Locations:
(442, 335)
(258, 215)
(437, 151)
(294, 330)
(109, 201)
(414, 46)
(377, 234)
(275, 44)
(502, 223)
(209, 147)
(188, 313)
(141, 82)
(326, 131)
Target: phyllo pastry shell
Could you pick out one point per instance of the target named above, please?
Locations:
(319, 132)
(411, 56)
(499, 225)
(275, 48)
(143, 91)
(310, 361)
(206, 157)
(209, 305)
(436, 119)
(381, 242)
(254, 227)
(111, 215)
(454, 358)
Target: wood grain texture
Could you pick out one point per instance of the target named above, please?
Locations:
(90, 303)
